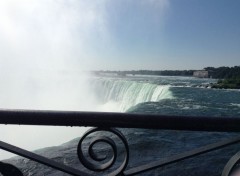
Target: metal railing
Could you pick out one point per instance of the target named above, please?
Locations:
(108, 122)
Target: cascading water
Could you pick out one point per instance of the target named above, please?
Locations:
(120, 95)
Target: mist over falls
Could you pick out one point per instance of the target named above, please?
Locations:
(45, 46)
(79, 92)
(82, 92)
(74, 91)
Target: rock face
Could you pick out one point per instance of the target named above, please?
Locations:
(145, 146)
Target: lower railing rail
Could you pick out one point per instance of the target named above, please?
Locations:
(108, 122)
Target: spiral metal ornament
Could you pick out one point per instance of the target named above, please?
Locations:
(98, 163)
(9, 170)
(232, 166)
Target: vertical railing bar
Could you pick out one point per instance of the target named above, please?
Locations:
(180, 157)
(41, 159)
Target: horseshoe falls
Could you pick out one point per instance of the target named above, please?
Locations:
(166, 95)
(120, 95)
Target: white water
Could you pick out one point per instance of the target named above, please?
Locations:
(120, 95)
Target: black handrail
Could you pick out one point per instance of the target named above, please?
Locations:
(108, 121)
(120, 120)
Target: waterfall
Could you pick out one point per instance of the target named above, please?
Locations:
(120, 95)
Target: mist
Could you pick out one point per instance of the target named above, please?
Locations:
(46, 49)
(43, 63)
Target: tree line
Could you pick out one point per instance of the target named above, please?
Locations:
(151, 72)
(229, 77)
(224, 72)
(217, 73)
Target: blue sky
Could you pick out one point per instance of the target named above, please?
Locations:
(178, 35)
(203, 30)
(119, 34)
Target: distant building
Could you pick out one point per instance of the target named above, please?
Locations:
(201, 74)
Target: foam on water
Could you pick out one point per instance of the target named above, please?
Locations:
(235, 104)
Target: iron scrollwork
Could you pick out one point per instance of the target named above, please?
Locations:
(97, 163)
(232, 168)
(9, 170)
